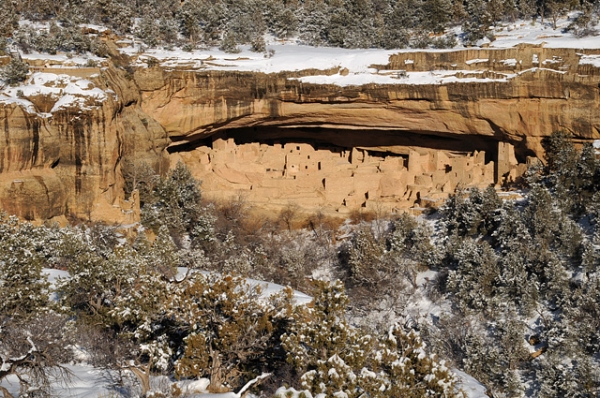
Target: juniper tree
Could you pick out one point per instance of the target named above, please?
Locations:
(475, 278)
(227, 326)
(16, 71)
(436, 15)
(24, 289)
(175, 201)
(321, 331)
(337, 359)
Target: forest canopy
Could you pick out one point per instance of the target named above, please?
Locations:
(229, 23)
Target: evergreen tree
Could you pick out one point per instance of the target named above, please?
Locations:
(339, 20)
(175, 202)
(24, 289)
(515, 283)
(228, 328)
(313, 17)
(322, 331)
(477, 23)
(474, 280)
(286, 23)
(9, 20)
(437, 14)
(15, 72)
(229, 43)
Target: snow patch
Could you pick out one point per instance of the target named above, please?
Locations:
(593, 60)
(67, 91)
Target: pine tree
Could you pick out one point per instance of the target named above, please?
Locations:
(229, 43)
(475, 278)
(436, 15)
(228, 328)
(15, 72)
(24, 290)
(313, 17)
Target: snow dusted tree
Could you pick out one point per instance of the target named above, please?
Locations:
(320, 338)
(406, 370)
(515, 284)
(163, 257)
(475, 277)
(9, 20)
(584, 315)
(24, 289)
(228, 328)
(337, 26)
(437, 14)
(34, 350)
(411, 238)
(314, 17)
(565, 377)
(585, 24)
(286, 23)
(16, 71)
(175, 201)
(339, 360)
(478, 21)
(32, 336)
(190, 16)
(481, 358)
(512, 233)
(138, 316)
(229, 43)
(403, 16)
(92, 282)
(168, 29)
(379, 271)
(148, 29)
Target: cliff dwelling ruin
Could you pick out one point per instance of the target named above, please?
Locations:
(344, 170)
(277, 140)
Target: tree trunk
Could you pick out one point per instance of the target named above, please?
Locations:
(144, 378)
(5, 392)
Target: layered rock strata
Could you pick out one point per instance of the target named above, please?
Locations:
(368, 145)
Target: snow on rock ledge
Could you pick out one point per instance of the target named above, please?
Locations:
(48, 92)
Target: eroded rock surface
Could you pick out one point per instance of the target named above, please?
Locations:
(282, 140)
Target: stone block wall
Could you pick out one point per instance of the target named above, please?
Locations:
(337, 179)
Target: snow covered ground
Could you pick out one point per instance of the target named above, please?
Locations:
(62, 90)
(355, 65)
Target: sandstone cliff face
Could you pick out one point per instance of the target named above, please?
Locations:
(67, 161)
(522, 110)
